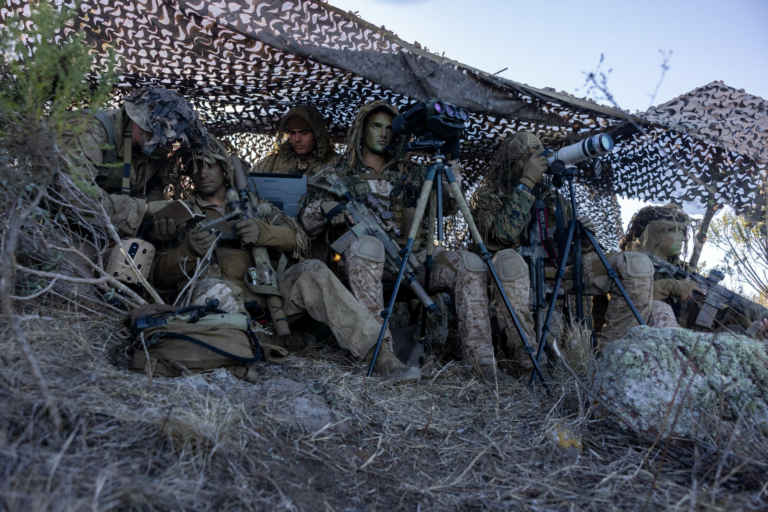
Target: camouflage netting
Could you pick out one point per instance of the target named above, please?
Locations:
(244, 62)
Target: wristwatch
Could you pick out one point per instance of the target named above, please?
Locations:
(524, 188)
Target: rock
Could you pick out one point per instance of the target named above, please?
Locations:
(284, 387)
(638, 377)
(309, 414)
(566, 441)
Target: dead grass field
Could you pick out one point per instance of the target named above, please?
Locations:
(312, 434)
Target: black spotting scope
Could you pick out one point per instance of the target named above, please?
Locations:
(439, 117)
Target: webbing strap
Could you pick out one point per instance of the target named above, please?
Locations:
(543, 222)
(127, 147)
(217, 350)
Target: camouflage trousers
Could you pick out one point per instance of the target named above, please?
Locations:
(460, 272)
(308, 288)
(662, 315)
(635, 272)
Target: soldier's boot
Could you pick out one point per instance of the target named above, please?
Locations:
(493, 374)
(391, 368)
(519, 356)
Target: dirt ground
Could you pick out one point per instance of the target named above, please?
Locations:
(313, 434)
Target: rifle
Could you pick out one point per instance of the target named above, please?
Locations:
(368, 216)
(716, 298)
(260, 278)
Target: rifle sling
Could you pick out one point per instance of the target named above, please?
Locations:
(125, 189)
(216, 349)
(540, 210)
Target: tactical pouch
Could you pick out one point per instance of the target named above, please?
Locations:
(192, 340)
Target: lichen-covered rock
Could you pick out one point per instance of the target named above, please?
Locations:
(639, 376)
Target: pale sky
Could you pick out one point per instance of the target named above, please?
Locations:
(553, 43)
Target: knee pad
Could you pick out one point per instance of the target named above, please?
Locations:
(369, 248)
(472, 262)
(638, 264)
(510, 265)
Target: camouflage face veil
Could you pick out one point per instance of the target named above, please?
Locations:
(504, 166)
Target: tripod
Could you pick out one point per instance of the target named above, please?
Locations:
(435, 172)
(573, 241)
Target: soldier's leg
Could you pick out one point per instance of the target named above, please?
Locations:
(230, 295)
(662, 315)
(516, 280)
(310, 287)
(465, 275)
(635, 272)
(365, 269)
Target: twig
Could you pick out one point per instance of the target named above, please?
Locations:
(148, 365)
(36, 295)
(141, 278)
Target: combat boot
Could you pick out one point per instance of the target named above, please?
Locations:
(391, 368)
(493, 374)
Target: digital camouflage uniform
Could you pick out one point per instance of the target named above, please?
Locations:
(284, 159)
(165, 114)
(663, 232)
(460, 272)
(307, 287)
(503, 214)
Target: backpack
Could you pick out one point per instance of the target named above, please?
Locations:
(175, 342)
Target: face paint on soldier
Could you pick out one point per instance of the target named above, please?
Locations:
(209, 182)
(303, 143)
(665, 238)
(378, 133)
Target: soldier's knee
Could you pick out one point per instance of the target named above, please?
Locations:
(368, 248)
(472, 262)
(510, 266)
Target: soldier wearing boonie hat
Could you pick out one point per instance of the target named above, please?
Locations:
(141, 136)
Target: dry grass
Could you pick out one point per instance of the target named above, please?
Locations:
(447, 443)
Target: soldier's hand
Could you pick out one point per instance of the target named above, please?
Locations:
(164, 230)
(534, 169)
(199, 242)
(248, 231)
(333, 212)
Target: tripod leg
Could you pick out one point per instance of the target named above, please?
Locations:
(614, 277)
(553, 302)
(405, 253)
(486, 255)
(429, 262)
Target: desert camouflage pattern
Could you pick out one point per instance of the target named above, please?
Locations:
(308, 288)
(284, 160)
(662, 315)
(469, 288)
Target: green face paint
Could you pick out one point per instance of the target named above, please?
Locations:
(378, 132)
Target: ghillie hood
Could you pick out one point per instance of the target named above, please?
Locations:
(645, 216)
(316, 121)
(352, 158)
(503, 173)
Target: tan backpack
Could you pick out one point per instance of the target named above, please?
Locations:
(192, 340)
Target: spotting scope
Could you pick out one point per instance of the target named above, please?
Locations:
(591, 147)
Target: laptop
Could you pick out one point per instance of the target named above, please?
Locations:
(282, 190)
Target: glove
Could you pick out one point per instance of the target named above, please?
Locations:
(248, 231)
(165, 229)
(199, 242)
(534, 169)
(680, 290)
(451, 147)
(334, 212)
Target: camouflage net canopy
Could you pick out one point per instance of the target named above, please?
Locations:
(244, 62)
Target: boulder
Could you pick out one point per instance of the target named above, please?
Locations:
(671, 381)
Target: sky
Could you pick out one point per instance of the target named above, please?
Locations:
(554, 43)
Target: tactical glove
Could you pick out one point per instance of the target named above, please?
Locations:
(534, 169)
(248, 230)
(199, 242)
(165, 229)
(333, 212)
(680, 290)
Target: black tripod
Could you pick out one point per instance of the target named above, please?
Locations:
(435, 172)
(573, 241)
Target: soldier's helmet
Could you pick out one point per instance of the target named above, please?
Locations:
(216, 154)
(168, 117)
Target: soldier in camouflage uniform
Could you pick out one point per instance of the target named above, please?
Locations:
(151, 121)
(302, 144)
(368, 166)
(663, 232)
(502, 210)
(307, 287)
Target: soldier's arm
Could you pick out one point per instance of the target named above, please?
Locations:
(278, 231)
(168, 269)
(513, 218)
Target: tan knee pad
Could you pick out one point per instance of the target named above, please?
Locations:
(368, 248)
(472, 262)
(510, 265)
